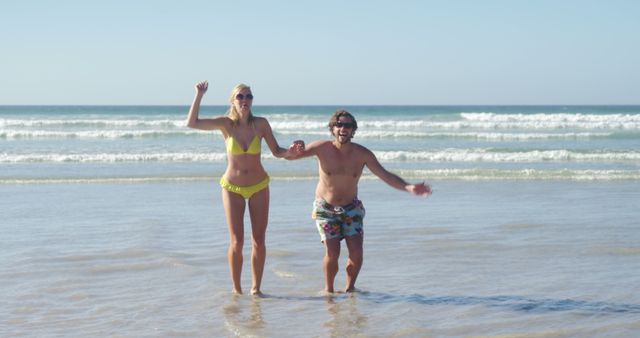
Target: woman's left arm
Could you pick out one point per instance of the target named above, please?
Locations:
(267, 133)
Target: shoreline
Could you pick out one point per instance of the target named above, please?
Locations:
(559, 176)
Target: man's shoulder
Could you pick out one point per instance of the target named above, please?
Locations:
(320, 143)
(360, 148)
(317, 147)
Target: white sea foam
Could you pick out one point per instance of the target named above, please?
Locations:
(112, 157)
(100, 180)
(95, 134)
(495, 136)
(522, 174)
(587, 141)
(101, 123)
(467, 121)
(14, 134)
(487, 155)
(620, 118)
(447, 155)
(552, 121)
(473, 174)
(299, 125)
(544, 122)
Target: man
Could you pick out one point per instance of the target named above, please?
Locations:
(337, 211)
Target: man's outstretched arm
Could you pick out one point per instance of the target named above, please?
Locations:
(419, 189)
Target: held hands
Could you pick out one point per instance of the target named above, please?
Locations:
(201, 87)
(296, 149)
(420, 189)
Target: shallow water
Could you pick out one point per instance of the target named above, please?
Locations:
(499, 258)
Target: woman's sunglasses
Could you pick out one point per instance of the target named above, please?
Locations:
(242, 97)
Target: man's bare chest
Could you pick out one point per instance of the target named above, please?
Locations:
(341, 167)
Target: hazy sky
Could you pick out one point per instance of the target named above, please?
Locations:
(321, 52)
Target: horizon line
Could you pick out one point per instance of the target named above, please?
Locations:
(337, 105)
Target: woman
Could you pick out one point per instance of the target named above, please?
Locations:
(245, 178)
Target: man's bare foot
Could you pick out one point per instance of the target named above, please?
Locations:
(236, 292)
(256, 292)
(328, 296)
(352, 289)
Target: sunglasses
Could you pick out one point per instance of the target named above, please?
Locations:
(242, 97)
(348, 125)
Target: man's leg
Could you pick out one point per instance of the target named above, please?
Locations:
(356, 255)
(330, 262)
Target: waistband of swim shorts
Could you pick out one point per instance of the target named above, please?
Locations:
(338, 209)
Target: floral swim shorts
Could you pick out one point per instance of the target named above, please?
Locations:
(338, 222)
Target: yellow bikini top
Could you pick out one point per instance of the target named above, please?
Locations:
(235, 148)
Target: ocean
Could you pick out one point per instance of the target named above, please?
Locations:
(112, 225)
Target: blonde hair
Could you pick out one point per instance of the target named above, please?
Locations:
(232, 113)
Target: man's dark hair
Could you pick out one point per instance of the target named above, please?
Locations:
(337, 115)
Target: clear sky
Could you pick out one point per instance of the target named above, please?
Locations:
(321, 52)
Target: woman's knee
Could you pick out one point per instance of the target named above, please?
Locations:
(236, 243)
(258, 242)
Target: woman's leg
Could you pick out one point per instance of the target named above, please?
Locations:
(259, 212)
(234, 206)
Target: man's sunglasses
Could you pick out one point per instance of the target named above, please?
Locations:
(242, 97)
(348, 125)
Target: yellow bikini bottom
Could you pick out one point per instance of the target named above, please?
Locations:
(245, 192)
